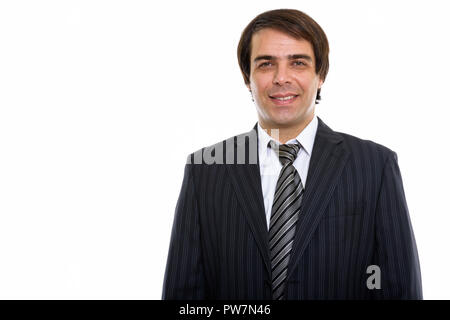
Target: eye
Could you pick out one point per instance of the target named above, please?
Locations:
(299, 63)
(265, 64)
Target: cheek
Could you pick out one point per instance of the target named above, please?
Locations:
(308, 84)
(258, 87)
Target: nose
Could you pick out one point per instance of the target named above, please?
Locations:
(281, 75)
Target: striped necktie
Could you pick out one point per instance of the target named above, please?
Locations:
(285, 211)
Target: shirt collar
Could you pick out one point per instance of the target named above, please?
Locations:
(305, 138)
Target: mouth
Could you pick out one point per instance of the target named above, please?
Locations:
(281, 101)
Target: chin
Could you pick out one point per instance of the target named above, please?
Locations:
(285, 118)
(281, 123)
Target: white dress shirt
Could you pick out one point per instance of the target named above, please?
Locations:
(270, 166)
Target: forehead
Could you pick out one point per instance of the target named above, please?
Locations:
(276, 43)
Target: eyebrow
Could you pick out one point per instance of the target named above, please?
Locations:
(290, 57)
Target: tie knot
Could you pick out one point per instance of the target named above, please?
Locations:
(286, 152)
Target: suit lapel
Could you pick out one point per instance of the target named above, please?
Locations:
(246, 179)
(327, 161)
(328, 158)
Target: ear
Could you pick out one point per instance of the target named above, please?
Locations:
(248, 86)
(320, 83)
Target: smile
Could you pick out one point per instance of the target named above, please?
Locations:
(283, 100)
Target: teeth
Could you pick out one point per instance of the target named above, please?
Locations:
(285, 98)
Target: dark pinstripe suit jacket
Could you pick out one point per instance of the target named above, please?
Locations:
(354, 215)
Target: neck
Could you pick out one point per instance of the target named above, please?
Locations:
(284, 134)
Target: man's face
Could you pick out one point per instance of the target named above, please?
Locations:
(283, 80)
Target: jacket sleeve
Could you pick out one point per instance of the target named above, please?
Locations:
(184, 277)
(396, 250)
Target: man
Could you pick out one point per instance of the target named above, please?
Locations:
(291, 209)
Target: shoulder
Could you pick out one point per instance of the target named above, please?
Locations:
(356, 146)
(367, 149)
(227, 151)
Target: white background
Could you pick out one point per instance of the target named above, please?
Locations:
(101, 102)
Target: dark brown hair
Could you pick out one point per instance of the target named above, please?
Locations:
(296, 24)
